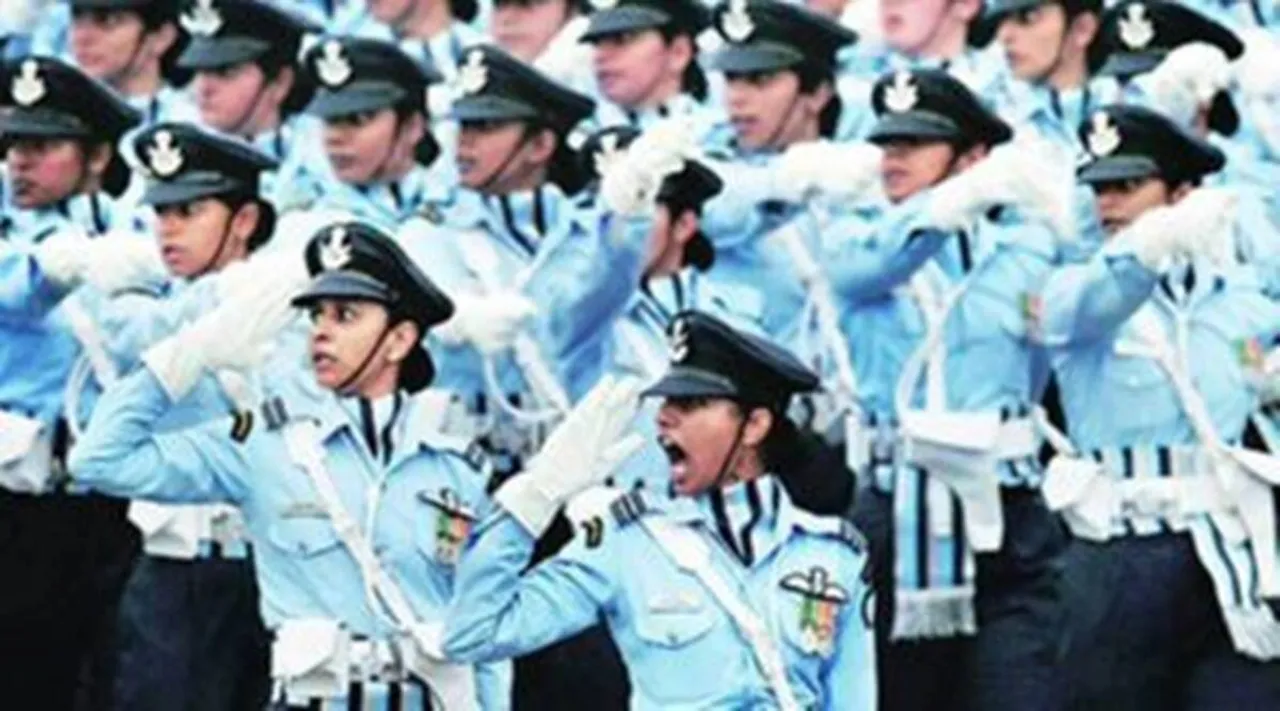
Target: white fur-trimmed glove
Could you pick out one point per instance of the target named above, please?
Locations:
(1196, 226)
(490, 323)
(582, 451)
(237, 335)
(1023, 173)
(839, 170)
(1187, 80)
(108, 263)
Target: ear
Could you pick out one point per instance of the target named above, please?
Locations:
(680, 55)
(1180, 191)
(542, 146)
(96, 160)
(282, 84)
(162, 38)
(1082, 30)
(413, 129)
(245, 221)
(758, 425)
(401, 339)
(684, 227)
(817, 99)
(966, 10)
(967, 159)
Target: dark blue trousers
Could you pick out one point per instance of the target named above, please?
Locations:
(1013, 664)
(191, 638)
(1146, 633)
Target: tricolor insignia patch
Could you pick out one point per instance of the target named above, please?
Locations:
(819, 608)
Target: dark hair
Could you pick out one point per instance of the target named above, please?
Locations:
(813, 472)
(694, 81)
(428, 148)
(698, 252)
(812, 75)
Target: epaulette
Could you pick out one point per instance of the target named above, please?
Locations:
(241, 425)
(628, 507)
(832, 527)
(432, 211)
(850, 534)
(274, 413)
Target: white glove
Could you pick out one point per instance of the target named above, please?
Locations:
(63, 258)
(1259, 81)
(263, 274)
(1187, 80)
(630, 184)
(581, 452)
(843, 170)
(489, 323)
(1023, 173)
(237, 335)
(109, 263)
(1196, 226)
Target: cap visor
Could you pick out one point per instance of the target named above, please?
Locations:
(691, 382)
(186, 189)
(41, 123)
(628, 18)
(1117, 168)
(913, 125)
(1129, 64)
(483, 107)
(344, 286)
(754, 57)
(353, 99)
(215, 52)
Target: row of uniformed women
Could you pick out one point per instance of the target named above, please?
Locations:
(512, 145)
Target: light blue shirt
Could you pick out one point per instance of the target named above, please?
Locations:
(417, 501)
(681, 648)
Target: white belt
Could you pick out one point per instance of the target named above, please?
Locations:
(26, 454)
(188, 532)
(1014, 439)
(1095, 503)
(320, 659)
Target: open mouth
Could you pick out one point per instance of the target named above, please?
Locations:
(675, 453)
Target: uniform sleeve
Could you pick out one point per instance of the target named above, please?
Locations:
(120, 456)
(497, 613)
(851, 675)
(588, 278)
(1086, 302)
(25, 293)
(868, 268)
(133, 321)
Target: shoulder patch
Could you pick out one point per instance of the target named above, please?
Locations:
(241, 425)
(628, 507)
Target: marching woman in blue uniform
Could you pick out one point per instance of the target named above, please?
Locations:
(63, 555)
(646, 63)
(765, 615)
(359, 526)
(1158, 347)
(190, 633)
(949, 369)
(132, 46)
(244, 54)
(383, 163)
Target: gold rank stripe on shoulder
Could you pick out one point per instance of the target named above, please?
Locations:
(241, 425)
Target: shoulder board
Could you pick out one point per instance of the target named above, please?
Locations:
(274, 413)
(628, 508)
(241, 425)
(832, 527)
(432, 211)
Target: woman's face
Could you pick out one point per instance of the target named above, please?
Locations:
(636, 69)
(195, 236)
(525, 27)
(43, 171)
(699, 436)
